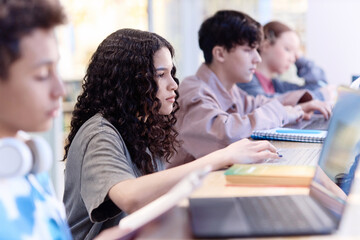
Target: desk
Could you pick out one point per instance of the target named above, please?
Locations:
(175, 223)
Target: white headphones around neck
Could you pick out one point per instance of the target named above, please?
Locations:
(355, 84)
(18, 158)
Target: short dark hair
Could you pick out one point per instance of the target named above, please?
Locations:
(228, 28)
(19, 18)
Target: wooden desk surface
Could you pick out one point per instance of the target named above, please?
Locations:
(175, 224)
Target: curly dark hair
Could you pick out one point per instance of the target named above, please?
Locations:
(120, 84)
(228, 28)
(19, 18)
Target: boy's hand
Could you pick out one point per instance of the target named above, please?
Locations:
(294, 113)
(315, 105)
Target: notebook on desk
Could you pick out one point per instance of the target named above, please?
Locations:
(318, 212)
(290, 134)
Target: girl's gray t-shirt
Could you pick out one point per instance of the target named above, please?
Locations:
(97, 160)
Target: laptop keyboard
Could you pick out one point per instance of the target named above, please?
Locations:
(283, 214)
(297, 156)
(317, 122)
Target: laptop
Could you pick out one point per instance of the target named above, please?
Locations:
(130, 225)
(318, 212)
(308, 156)
(317, 122)
(296, 156)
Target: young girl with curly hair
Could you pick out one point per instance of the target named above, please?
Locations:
(122, 134)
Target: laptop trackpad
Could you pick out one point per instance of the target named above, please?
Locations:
(217, 217)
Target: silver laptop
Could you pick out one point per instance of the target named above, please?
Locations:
(296, 156)
(317, 122)
(307, 156)
(319, 212)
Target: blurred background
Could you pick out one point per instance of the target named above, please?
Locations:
(327, 28)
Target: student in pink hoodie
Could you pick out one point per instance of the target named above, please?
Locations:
(214, 112)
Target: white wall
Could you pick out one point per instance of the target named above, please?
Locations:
(333, 37)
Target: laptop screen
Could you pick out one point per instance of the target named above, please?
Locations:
(339, 156)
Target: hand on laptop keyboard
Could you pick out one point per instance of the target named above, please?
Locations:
(316, 105)
(246, 151)
(294, 114)
(274, 160)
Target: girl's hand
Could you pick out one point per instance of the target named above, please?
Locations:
(246, 151)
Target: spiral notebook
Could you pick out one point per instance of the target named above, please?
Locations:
(290, 134)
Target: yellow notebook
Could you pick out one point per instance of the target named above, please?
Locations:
(269, 175)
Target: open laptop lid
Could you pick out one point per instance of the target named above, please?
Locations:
(339, 156)
(317, 121)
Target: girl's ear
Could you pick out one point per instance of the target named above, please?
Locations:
(219, 53)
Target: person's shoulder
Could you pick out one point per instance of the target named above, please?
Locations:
(97, 125)
(197, 79)
(196, 86)
(36, 195)
(44, 180)
(15, 186)
(97, 120)
(16, 190)
(192, 79)
(189, 84)
(254, 83)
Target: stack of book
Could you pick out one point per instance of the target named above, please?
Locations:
(269, 175)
